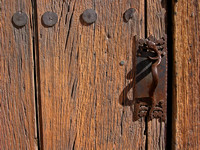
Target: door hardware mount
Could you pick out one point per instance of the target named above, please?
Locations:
(153, 106)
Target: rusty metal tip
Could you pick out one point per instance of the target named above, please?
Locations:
(122, 63)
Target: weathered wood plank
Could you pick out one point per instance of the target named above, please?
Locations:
(17, 98)
(156, 26)
(82, 80)
(186, 91)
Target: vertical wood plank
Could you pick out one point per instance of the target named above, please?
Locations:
(186, 88)
(81, 77)
(156, 26)
(17, 98)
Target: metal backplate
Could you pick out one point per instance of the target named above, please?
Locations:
(146, 104)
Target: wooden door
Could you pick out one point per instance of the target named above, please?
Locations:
(64, 86)
(81, 78)
(186, 75)
(17, 88)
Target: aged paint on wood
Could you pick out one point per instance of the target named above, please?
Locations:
(186, 87)
(17, 98)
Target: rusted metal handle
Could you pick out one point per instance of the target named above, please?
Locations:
(152, 47)
(154, 50)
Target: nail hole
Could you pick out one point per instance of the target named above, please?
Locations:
(108, 36)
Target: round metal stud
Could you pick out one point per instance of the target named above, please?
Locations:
(20, 19)
(122, 63)
(129, 14)
(49, 19)
(89, 16)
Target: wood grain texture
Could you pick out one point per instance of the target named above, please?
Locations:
(17, 102)
(81, 77)
(186, 91)
(156, 26)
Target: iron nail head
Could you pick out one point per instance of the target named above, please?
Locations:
(20, 19)
(89, 16)
(49, 19)
(129, 14)
(122, 63)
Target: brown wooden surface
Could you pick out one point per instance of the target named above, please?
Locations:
(17, 108)
(156, 26)
(186, 88)
(82, 80)
(80, 83)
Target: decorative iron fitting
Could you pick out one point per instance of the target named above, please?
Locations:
(153, 106)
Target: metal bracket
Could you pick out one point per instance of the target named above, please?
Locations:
(153, 50)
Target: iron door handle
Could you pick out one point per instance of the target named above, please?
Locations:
(153, 50)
